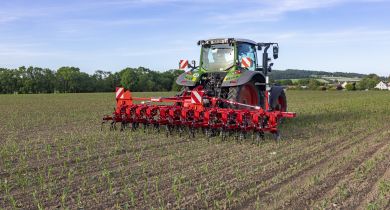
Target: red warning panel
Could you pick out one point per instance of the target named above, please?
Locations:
(246, 62)
(196, 97)
(119, 92)
(183, 64)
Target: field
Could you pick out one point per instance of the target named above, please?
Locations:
(335, 154)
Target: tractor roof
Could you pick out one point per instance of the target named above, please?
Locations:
(245, 40)
(225, 40)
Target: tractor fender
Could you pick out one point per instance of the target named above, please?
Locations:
(182, 81)
(274, 94)
(245, 77)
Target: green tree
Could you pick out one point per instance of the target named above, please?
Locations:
(303, 82)
(64, 76)
(8, 80)
(287, 82)
(368, 82)
(102, 81)
(350, 86)
(313, 84)
(175, 74)
(130, 79)
(70, 79)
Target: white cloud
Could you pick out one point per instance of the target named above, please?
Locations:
(22, 50)
(361, 36)
(273, 10)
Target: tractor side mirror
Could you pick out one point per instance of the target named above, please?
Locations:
(193, 64)
(270, 67)
(275, 50)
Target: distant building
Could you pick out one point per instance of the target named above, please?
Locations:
(339, 87)
(344, 85)
(382, 86)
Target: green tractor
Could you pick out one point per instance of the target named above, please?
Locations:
(229, 68)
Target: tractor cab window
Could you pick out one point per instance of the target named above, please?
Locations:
(246, 50)
(218, 57)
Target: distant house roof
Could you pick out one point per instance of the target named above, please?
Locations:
(344, 84)
(382, 86)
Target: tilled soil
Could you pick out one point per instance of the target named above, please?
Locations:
(335, 154)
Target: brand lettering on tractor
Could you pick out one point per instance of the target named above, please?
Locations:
(246, 62)
(183, 64)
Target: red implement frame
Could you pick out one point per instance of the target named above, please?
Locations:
(193, 110)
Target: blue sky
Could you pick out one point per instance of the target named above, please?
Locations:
(329, 35)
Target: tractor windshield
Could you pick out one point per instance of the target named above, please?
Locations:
(218, 57)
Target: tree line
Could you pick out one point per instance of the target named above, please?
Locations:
(72, 80)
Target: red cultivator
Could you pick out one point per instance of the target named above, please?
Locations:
(192, 111)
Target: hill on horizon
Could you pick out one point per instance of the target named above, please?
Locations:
(300, 74)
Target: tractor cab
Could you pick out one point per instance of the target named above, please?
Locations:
(226, 54)
(231, 69)
(230, 62)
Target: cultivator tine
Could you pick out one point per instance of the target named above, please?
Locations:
(168, 130)
(180, 130)
(253, 136)
(241, 136)
(156, 128)
(133, 126)
(113, 126)
(191, 132)
(276, 135)
(260, 137)
(223, 135)
(101, 126)
(236, 136)
(145, 127)
(257, 136)
(123, 126)
(208, 133)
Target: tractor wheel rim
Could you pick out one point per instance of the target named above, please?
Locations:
(248, 95)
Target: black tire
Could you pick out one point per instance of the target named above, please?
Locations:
(280, 104)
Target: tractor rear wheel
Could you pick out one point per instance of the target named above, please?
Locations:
(281, 103)
(247, 94)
